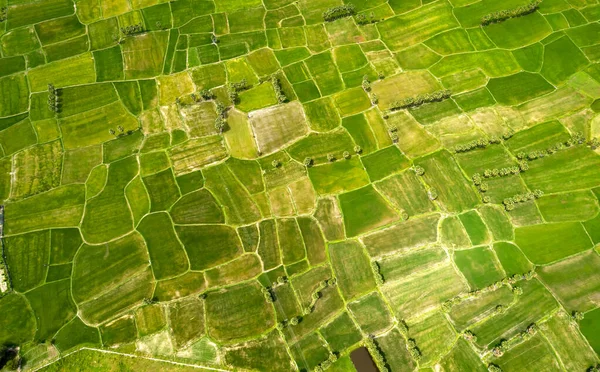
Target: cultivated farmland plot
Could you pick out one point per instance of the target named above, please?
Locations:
(271, 185)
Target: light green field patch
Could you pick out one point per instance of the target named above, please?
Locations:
(406, 297)
(397, 267)
(475, 228)
(270, 135)
(450, 42)
(534, 304)
(497, 222)
(535, 354)
(92, 127)
(76, 334)
(251, 354)
(78, 164)
(365, 210)
(186, 320)
(574, 206)
(36, 169)
(73, 71)
(60, 207)
(573, 281)
(550, 242)
(414, 140)
(518, 88)
(19, 41)
(417, 26)
(143, 54)
(404, 85)
(434, 336)
(557, 173)
(257, 97)
(562, 59)
(441, 171)
(462, 356)
(352, 268)
(107, 215)
(371, 313)
(342, 175)
(512, 258)
(403, 236)
(223, 310)
(341, 333)
(17, 137)
(494, 63)
(349, 57)
(572, 349)
(479, 266)
(518, 32)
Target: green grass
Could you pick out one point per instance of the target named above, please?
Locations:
(479, 266)
(512, 258)
(341, 333)
(420, 232)
(574, 206)
(223, 310)
(365, 210)
(572, 281)
(521, 87)
(342, 175)
(352, 268)
(548, 242)
(208, 245)
(27, 256)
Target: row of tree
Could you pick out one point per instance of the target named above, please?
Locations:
(3, 14)
(132, 29)
(421, 99)
(376, 354)
(508, 281)
(281, 97)
(503, 15)
(324, 365)
(509, 203)
(337, 12)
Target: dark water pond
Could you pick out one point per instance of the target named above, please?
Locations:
(362, 360)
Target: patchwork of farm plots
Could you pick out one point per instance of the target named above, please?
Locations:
(270, 184)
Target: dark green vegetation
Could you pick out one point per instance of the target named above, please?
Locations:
(270, 185)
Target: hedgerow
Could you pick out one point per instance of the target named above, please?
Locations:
(337, 12)
(503, 15)
(421, 99)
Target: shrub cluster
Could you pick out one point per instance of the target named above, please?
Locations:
(595, 368)
(220, 121)
(377, 273)
(577, 316)
(362, 19)
(393, 131)
(3, 14)
(324, 365)
(205, 94)
(268, 294)
(494, 368)
(281, 98)
(509, 203)
(576, 139)
(432, 194)
(594, 143)
(502, 172)
(337, 12)
(503, 15)
(376, 354)
(366, 84)
(53, 100)
(419, 170)
(317, 294)
(233, 90)
(469, 336)
(476, 144)
(508, 281)
(421, 99)
(413, 349)
(506, 345)
(132, 29)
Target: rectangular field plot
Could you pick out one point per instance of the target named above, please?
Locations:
(443, 174)
(423, 291)
(573, 281)
(397, 267)
(533, 355)
(546, 243)
(352, 267)
(532, 305)
(570, 345)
